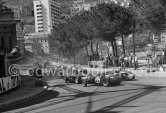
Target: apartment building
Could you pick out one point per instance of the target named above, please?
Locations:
(37, 42)
(7, 40)
(124, 3)
(19, 30)
(65, 10)
(81, 5)
(47, 14)
(163, 35)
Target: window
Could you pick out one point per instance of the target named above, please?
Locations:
(39, 19)
(2, 42)
(40, 27)
(4, 27)
(39, 9)
(40, 31)
(2, 67)
(40, 23)
(38, 5)
(39, 16)
(41, 40)
(39, 12)
(45, 40)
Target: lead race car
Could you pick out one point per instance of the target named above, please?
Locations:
(105, 78)
(124, 74)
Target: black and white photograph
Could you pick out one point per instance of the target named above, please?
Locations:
(82, 56)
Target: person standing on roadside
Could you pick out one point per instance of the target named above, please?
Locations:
(126, 61)
(136, 61)
(130, 61)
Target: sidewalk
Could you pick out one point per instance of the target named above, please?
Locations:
(26, 91)
(143, 72)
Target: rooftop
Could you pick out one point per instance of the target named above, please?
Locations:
(36, 35)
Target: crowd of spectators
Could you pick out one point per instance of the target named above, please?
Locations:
(124, 60)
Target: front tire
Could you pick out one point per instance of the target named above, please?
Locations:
(106, 82)
(77, 80)
(65, 79)
(84, 83)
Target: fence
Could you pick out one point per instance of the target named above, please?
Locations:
(8, 83)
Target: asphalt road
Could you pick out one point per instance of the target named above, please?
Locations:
(144, 95)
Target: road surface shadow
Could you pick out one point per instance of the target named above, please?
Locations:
(47, 95)
(147, 89)
(109, 109)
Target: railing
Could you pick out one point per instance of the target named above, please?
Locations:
(8, 83)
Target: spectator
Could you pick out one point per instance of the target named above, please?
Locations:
(121, 60)
(135, 61)
(130, 61)
(126, 61)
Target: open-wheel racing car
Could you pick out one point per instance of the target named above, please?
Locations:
(74, 75)
(125, 75)
(104, 78)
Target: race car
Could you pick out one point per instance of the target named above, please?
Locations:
(125, 75)
(74, 74)
(105, 78)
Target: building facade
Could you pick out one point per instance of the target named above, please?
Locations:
(124, 3)
(37, 42)
(47, 14)
(163, 35)
(65, 10)
(81, 5)
(7, 40)
(19, 30)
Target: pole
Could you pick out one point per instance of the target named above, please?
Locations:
(154, 45)
(123, 45)
(134, 43)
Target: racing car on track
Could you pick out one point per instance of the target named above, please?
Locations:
(73, 74)
(125, 75)
(104, 78)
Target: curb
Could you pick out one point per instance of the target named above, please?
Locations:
(6, 104)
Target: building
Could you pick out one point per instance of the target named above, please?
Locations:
(65, 10)
(27, 10)
(124, 3)
(163, 35)
(19, 30)
(47, 14)
(29, 29)
(7, 40)
(81, 5)
(25, 5)
(37, 42)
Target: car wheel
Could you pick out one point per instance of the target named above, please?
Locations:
(97, 80)
(77, 80)
(131, 77)
(119, 82)
(106, 82)
(84, 83)
(65, 79)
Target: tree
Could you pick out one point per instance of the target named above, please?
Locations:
(117, 22)
(105, 22)
(4, 8)
(149, 14)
